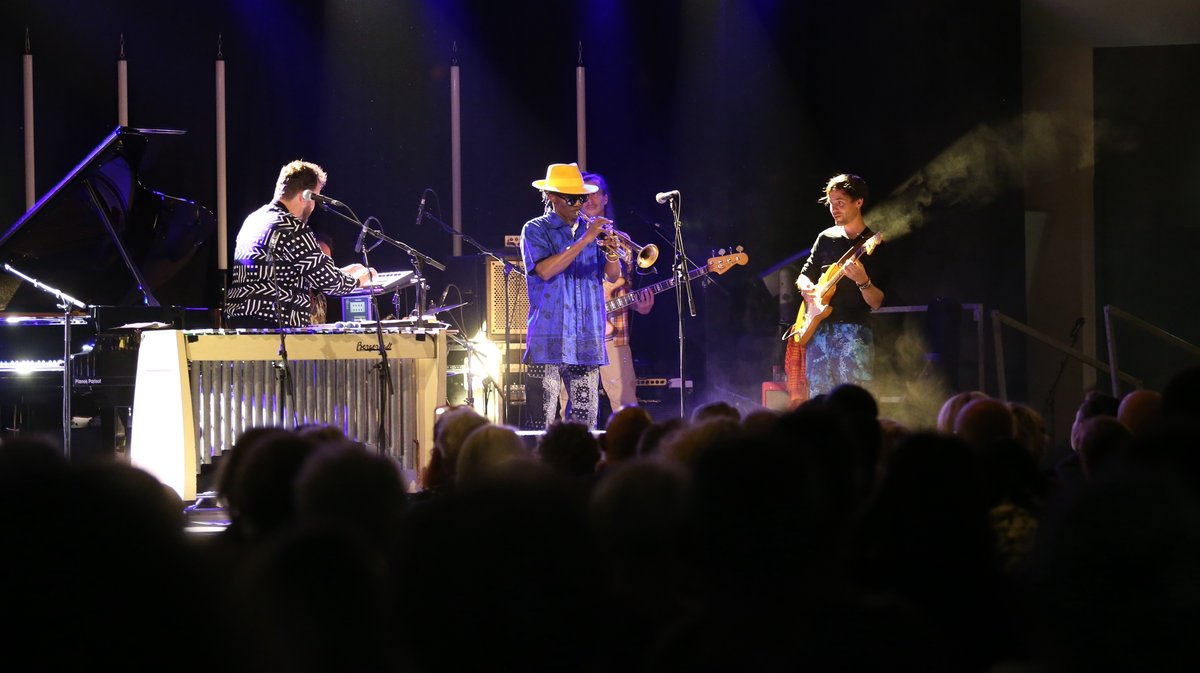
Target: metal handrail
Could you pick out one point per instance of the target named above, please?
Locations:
(1109, 312)
(999, 319)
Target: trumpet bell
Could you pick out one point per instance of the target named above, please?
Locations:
(624, 247)
(647, 256)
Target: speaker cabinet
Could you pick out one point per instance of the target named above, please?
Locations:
(480, 281)
(517, 299)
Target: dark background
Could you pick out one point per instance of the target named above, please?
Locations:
(1148, 201)
(745, 107)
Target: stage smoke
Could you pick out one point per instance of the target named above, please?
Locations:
(983, 164)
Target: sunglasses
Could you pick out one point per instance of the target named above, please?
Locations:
(572, 199)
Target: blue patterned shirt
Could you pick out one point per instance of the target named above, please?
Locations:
(566, 313)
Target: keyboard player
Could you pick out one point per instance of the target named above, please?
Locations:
(278, 263)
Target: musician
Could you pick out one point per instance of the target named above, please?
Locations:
(278, 260)
(617, 377)
(842, 347)
(565, 269)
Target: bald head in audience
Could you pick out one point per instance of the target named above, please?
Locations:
(948, 414)
(1141, 411)
(983, 421)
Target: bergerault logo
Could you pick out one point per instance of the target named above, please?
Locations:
(369, 348)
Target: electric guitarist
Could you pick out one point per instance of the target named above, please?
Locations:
(841, 347)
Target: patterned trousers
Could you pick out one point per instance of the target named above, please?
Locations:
(838, 353)
(542, 386)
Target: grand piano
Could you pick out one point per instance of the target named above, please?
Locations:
(151, 376)
(133, 255)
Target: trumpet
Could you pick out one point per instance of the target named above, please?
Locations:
(621, 245)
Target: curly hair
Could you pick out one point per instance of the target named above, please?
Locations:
(298, 176)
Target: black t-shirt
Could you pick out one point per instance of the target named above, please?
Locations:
(847, 302)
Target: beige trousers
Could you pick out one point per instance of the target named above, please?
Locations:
(617, 378)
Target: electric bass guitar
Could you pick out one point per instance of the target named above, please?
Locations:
(718, 265)
(817, 308)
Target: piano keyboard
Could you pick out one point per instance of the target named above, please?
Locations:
(387, 281)
(19, 367)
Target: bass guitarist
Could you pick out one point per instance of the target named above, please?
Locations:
(841, 347)
(617, 377)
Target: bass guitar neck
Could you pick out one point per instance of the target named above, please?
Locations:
(718, 265)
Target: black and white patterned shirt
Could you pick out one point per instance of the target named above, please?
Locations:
(269, 234)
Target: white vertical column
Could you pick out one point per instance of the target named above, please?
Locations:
(222, 195)
(27, 67)
(122, 86)
(581, 112)
(456, 150)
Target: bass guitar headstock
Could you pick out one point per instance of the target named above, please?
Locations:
(876, 239)
(723, 262)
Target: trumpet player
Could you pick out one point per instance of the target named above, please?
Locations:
(617, 377)
(564, 274)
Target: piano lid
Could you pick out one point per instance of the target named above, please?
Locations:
(99, 235)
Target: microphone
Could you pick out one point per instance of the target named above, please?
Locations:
(445, 293)
(421, 208)
(663, 197)
(310, 195)
(362, 234)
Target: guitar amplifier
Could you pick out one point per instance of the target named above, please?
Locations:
(660, 397)
(516, 299)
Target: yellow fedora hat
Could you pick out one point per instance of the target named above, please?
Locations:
(564, 179)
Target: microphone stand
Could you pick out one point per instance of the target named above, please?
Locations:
(383, 368)
(508, 268)
(683, 284)
(287, 393)
(473, 352)
(65, 302)
(1048, 415)
(470, 349)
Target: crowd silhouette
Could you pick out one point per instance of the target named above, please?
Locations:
(824, 538)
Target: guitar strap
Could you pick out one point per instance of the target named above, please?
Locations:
(796, 369)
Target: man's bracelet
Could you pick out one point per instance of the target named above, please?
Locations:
(865, 285)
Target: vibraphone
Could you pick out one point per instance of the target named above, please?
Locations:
(196, 392)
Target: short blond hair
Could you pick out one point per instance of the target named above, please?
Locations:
(298, 176)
